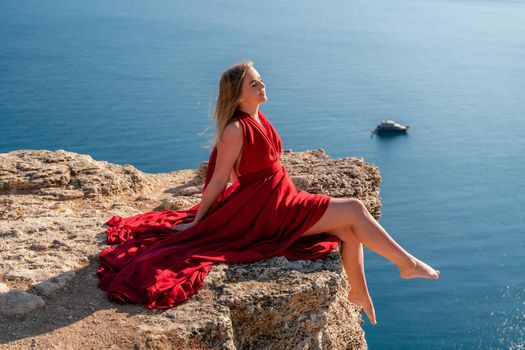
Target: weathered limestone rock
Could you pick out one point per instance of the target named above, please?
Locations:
(53, 205)
(14, 301)
(66, 175)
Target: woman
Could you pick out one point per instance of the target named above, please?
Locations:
(260, 215)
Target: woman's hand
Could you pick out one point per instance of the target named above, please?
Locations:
(184, 226)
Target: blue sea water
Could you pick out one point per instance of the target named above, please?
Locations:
(135, 82)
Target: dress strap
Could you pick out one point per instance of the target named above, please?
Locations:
(260, 174)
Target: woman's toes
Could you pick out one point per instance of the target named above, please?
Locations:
(366, 303)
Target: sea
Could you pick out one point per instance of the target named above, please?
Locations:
(135, 82)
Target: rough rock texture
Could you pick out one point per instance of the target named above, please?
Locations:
(53, 205)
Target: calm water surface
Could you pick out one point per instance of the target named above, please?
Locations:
(135, 82)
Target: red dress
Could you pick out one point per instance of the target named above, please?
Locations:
(260, 216)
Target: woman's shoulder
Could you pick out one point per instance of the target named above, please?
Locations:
(233, 132)
(234, 124)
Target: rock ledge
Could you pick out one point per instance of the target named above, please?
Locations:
(53, 205)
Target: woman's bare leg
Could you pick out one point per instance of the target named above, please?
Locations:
(374, 236)
(352, 256)
(344, 212)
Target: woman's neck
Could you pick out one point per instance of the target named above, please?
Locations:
(253, 110)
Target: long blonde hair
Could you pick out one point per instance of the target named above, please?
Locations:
(230, 89)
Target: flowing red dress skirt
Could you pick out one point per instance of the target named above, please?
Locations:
(261, 216)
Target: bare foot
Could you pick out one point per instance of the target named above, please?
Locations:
(366, 303)
(417, 268)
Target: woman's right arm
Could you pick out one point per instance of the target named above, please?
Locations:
(228, 150)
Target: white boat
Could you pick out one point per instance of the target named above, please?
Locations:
(390, 127)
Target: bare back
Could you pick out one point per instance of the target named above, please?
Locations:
(229, 151)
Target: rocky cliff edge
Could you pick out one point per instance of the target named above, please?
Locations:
(53, 206)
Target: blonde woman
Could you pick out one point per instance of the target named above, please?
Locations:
(163, 257)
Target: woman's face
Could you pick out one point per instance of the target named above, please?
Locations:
(253, 89)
